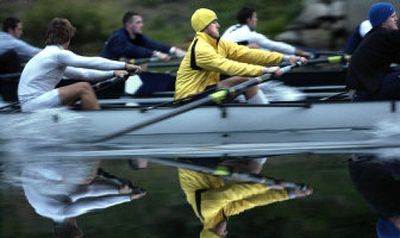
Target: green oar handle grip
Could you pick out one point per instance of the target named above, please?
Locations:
(338, 59)
(220, 95)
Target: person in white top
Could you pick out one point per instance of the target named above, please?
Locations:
(63, 190)
(244, 33)
(10, 40)
(36, 89)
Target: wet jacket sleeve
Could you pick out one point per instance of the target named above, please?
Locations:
(262, 199)
(254, 56)
(120, 45)
(125, 48)
(208, 59)
(154, 45)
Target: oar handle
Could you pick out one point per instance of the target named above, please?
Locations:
(107, 83)
(291, 66)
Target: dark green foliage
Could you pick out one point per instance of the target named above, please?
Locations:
(167, 21)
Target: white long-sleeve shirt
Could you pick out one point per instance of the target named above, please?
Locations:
(23, 49)
(243, 33)
(45, 70)
(365, 27)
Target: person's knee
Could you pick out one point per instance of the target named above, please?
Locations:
(84, 87)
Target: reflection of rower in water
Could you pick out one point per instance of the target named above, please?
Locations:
(214, 202)
(62, 191)
(378, 182)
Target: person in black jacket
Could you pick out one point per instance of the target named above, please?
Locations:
(369, 70)
(130, 42)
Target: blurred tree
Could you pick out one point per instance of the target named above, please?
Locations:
(167, 21)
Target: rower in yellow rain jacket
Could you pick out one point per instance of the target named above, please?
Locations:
(213, 202)
(208, 57)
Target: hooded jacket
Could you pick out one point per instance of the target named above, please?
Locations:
(207, 58)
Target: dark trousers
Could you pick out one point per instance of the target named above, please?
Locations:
(9, 63)
(389, 90)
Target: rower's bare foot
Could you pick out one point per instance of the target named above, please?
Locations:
(138, 195)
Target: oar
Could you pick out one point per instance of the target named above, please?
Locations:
(164, 65)
(107, 83)
(10, 75)
(147, 60)
(216, 97)
(226, 172)
(141, 60)
(327, 53)
(178, 101)
(330, 60)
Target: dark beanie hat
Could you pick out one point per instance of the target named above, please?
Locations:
(379, 12)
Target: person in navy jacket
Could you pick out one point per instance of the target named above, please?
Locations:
(130, 42)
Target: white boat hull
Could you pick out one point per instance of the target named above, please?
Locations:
(234, 127)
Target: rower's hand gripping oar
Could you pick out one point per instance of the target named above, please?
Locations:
(114, 80)
(216, 97)
(338, 59)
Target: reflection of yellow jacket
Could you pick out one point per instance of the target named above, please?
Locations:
(212, 201)
(208, 57)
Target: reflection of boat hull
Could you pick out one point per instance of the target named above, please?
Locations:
(238, 124)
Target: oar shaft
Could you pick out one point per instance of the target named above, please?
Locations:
(225, 172)
(107, 83)
(154, 120)
(163, 65)
(10, 75)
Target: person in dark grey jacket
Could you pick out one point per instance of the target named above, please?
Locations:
(10, 39)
